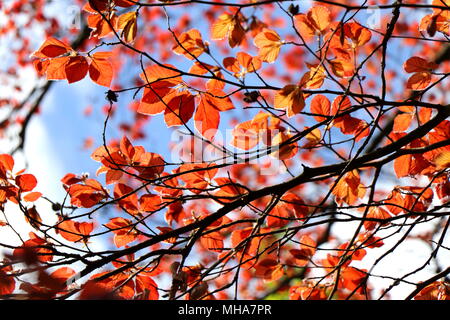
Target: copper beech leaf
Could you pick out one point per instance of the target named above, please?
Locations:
(75, 231)
(100, 69)
(291, 99)
(269, 45)
(207, 115)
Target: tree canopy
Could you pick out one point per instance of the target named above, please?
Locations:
(246, 149)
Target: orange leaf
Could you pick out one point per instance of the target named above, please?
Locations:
(314, 78)
(62, 275)
(51, 48)
(249, 63)
(70, 179)
(96, 5)
(319, 17)
(190, 44)
(26, 182)
(56, 69)
(232, 64)
(165, 230)
(100, 69)
(87, 195)
(123, 230)
(340, 104)
(353, 279)
(218, 99)
(349, 188)
(6, 163)
(419, 81)
(162, 74)
(245, 135)
(149, 203)
(315, 21)
(207, 116)
(438, 290)
(375, 213)
(146, 287)
(269, 44)
(320, 105)
(150, 165)
(269, 269)
(304, 292)
(197, 180)
(128, 198)
(206, 119)
(357, 33)
(286, 151)
(32, 196)
(100, 27)
(417, 64)
(342, 68)
(229, 190)
(402, 122)
(279, 216)
(442, 161)
(153, 101)
(127, 22)
(34, 249)
(7, 283)
(290, 98)
(248, 245)
(228, 26)
(180, 109)
(212, 241)
(307, 250)
(304, 26)
(295, 203)
(175, 213)
(403, 165)
(312, 138)
(75, 231)
(76, 68)
(242, 64)
(349, 125)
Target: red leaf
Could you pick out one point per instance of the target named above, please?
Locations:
(146, 287)
(198, 180)
(123, 230)
(307, 250)
(56, 69)
(26, 182)
(100, 69)
(212, 241)
(417, 64)
(150, 203)
(76, 69)
(6, 162)
(75, 231)
(419, 81)
(403, 165)
(179, 109)
(32, 196)
(87, 195)
(7, 283)
(206, 119)
(63, 274)
(70, 179)
(320, 105)
(52, 48)
(33, 250)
